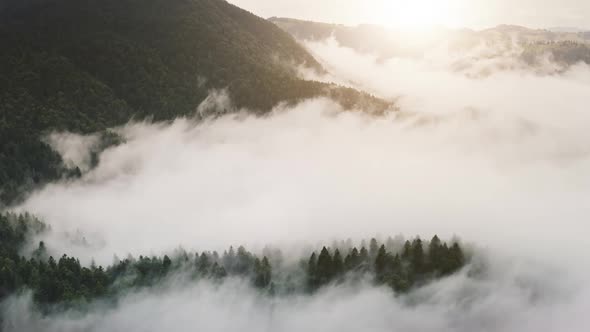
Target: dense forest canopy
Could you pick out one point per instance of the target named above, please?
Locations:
(87, 65)
(63, 282)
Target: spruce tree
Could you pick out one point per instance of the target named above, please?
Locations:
(312, 274)
(218, 271)
(457, 258)
(203, 265)
(418, 255)
(166, 263)
(381, 265)
(407, 251)
(229, 260)
(262, 273)
(337, 264)
(434, 253)
(373, 249)
(324, 267)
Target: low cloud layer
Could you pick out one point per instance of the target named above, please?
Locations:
(314, 173)
(502, 161)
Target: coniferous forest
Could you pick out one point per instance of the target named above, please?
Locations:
(63, 282)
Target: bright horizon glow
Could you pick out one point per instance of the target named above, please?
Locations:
(418, 14)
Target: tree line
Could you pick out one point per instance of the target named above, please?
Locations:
(65, 282)
(414, 265)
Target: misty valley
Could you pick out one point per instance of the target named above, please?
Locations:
(282, 165)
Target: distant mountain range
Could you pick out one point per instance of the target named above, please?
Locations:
(567, 29)
(564, 47)
(379, 35)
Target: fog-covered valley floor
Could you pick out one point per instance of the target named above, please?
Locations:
(501, 162)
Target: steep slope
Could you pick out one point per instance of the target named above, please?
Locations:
(86, 65)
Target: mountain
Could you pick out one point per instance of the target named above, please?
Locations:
(566, 29)
(523, 34)
(364, 38)
(504, 47)
(87, 65)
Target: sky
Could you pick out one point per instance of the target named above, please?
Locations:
(420, 13)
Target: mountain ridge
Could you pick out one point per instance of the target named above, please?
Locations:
(529, 47)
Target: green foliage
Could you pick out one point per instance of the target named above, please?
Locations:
(402, 272)
(66, 283)
(262, 272)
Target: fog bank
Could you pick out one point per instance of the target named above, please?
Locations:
(314, 173)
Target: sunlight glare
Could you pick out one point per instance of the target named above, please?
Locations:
(418, 14)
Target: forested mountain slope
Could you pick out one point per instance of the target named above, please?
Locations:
(86, 65)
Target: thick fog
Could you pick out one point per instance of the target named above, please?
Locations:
(502, 161)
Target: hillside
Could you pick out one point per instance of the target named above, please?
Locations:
(86, 65)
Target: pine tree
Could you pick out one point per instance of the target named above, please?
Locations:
(312, 275)
(218, 271)
(352, 260)
(418, 255)
(434, 253)
(396, 264)
(407, 251)
(262, 273)
(373, 249)
(166, 263)
(229, 259)
(203, 264)
(337, 264)
(324, 267)
(364, 256)
(381, 265)
(243, 261)
(456, 257)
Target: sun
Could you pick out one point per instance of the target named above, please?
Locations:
(417, 14)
